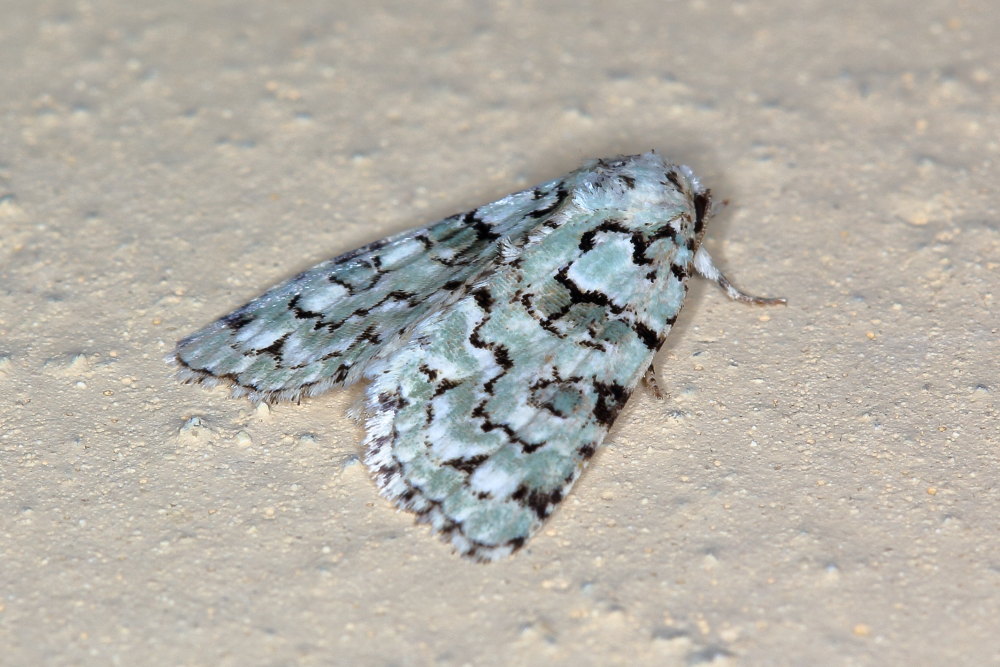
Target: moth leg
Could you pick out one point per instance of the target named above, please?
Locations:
(649, 378)
(706, 268)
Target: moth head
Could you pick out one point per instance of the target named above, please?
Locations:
(703, 211)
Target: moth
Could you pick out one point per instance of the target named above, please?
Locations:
(499, 344)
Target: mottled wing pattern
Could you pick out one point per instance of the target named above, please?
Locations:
(482, 421)
(321, 328)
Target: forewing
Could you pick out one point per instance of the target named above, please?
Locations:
(489, 414)
(322, 328)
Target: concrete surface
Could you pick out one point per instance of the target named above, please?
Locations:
(819, 487)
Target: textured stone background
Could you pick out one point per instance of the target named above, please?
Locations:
(820, 486)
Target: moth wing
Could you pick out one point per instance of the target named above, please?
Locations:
(321, 328)
(483, 421)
